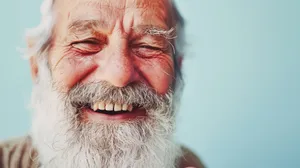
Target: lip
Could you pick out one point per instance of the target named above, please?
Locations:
(91, 115)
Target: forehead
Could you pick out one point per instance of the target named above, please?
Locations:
(140, 12)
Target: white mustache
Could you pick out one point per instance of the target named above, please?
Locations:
(138, 94)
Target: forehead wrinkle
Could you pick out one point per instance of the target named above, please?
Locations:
(122, 5)
(81, 25)
(160, 7)
(88, 27)
(99, 6)
(90, 23)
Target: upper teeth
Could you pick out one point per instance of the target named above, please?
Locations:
(111, 106)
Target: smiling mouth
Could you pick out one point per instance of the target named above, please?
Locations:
(113, 108)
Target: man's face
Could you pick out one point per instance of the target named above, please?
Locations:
(120, 42)
(106, 94)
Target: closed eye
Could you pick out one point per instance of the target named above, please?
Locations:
(150, 47)
(144, 50)
(87, 46)
(87, 41)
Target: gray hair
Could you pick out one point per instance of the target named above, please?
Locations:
(41, 35)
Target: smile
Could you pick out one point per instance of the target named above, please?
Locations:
(100, 111)
(111, 108)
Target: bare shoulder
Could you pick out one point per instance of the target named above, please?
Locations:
(190, 159)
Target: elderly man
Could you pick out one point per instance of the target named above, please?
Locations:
(105, 74)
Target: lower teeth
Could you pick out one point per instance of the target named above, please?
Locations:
(110, 112)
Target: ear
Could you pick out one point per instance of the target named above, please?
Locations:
(179, 61)
(33, 68)
(32, 62)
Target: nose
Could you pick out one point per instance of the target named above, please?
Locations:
(120, 70)
(117, 66)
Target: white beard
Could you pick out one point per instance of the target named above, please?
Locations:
(64, 141)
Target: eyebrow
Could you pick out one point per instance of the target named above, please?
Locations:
(152, 30)
(97, 25)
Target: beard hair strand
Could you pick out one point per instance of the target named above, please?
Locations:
(62, 140)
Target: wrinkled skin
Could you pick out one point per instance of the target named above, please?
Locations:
(114, 49)
(104, 40)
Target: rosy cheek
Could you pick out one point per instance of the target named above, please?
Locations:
(70, 71)
(159, 74)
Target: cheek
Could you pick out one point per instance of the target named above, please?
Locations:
(159, 73)
(66, 72)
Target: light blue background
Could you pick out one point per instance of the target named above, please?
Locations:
(240, 107)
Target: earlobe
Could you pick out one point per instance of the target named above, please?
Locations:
(179, 61)
(33, 68)
(32, 61)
